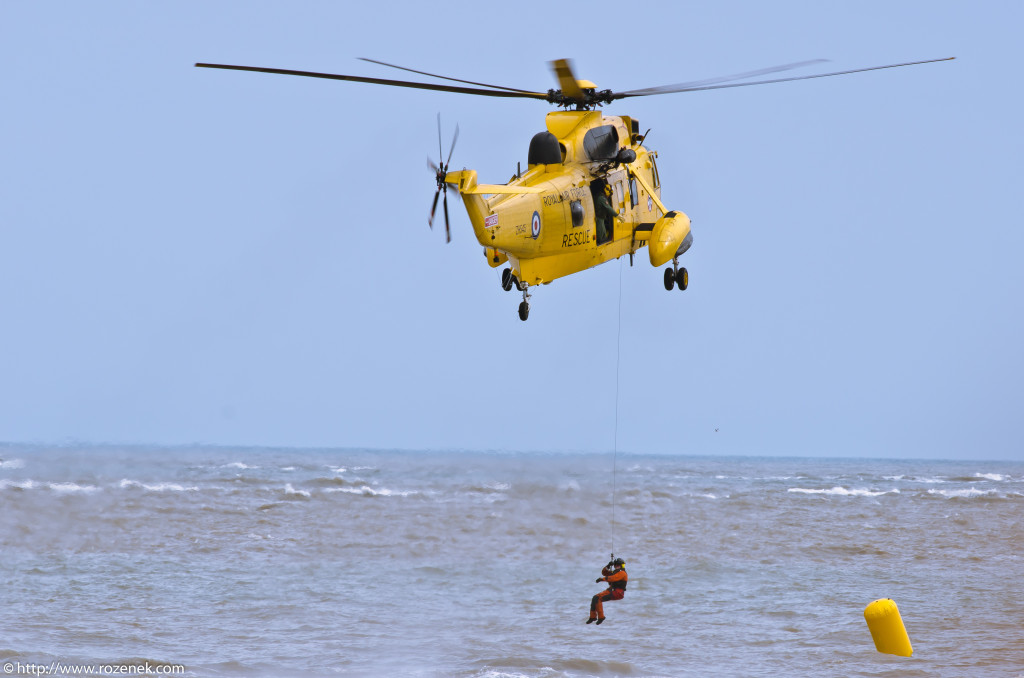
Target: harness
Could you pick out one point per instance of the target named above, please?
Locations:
(618, 584)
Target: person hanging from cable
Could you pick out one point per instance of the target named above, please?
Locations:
(615, 574)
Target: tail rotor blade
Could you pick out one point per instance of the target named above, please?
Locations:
(440, 150)
(447, 229)
(440, 175)
(452, 150)
(433, 208)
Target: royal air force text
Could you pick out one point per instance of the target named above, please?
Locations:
(571, 194)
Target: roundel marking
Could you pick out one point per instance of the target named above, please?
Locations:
(535, 225)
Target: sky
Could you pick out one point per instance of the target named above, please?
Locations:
(191, 256)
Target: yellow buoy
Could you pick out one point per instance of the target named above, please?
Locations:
(887, 629)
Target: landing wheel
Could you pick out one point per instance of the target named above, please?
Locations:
(524, 311)
(682, 278)
(506, 279)
(670, 278)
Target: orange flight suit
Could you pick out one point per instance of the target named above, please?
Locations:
(615, 591)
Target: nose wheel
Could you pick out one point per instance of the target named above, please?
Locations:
(676, 276)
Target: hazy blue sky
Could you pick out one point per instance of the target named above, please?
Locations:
(199, 256)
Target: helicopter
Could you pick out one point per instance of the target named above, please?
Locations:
(591, 191)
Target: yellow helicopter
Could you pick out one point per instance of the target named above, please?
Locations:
(591, 191)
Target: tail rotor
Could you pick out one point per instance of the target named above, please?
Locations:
(440, 174)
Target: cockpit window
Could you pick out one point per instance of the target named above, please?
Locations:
(601, 143)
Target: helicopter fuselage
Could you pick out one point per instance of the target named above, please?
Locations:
(544, 222)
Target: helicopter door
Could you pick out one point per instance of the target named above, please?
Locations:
(618, 183)
(601, 213)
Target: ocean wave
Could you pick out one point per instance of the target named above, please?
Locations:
(12, 463)
(915, 479)
(515, 666)
(336, 482)
(18, 485)
(292, 492)
(963, 494)
(489, 488)
(973, 478)
(158, 487)
(239, 465)
(843, 492)
(569, 486)
(368, 491)
(71, 487)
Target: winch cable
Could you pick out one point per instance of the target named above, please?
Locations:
(615, 447)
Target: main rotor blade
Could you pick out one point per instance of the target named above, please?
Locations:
(655, 90)
(567, 79)
(443, 77)
(382, 81)
(664, 89)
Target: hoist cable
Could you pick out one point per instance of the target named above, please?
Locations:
(615, 447)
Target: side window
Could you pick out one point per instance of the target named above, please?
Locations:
(576, 208)
(654, 173)
(634, 198)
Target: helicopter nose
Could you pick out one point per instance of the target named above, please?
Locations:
(668, 236)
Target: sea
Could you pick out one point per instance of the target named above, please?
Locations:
(225, 561)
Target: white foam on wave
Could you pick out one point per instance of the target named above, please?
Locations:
(239, 465)
(843, 492)
(72, 487)
(157, 487)
(916, 480)
(12, 463)
(963, 494)
(288, 489)
(997, 477)
(18, 485)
